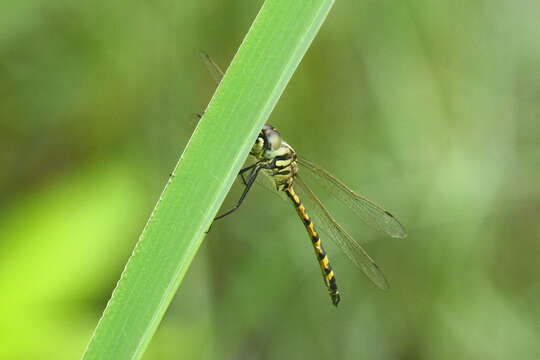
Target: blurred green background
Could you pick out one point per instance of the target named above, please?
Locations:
(428, 108)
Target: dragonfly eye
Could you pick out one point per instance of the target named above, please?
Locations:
(273, 140)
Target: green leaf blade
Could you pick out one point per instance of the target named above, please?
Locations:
(256, 78)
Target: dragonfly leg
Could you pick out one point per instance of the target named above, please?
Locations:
(248, 183)
(248, 168)
(195, 117)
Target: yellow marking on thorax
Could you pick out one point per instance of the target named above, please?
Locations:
(284, 163)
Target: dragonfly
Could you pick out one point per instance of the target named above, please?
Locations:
(273, 158)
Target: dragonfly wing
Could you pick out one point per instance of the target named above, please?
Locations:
(371, 213)
(324, 220)
(214, 69)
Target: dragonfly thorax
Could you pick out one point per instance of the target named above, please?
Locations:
(278, 157)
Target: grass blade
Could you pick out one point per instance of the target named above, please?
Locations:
(264, 63)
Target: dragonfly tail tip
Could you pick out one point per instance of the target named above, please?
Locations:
(336, 298)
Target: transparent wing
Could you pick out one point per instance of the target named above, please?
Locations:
(323, 220)
(371, 213)
(214, 69)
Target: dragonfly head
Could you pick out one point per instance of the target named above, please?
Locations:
(268, 143)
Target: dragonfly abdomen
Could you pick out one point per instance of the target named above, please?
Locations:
(322, 257)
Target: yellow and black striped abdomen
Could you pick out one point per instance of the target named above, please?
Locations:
(326, 268)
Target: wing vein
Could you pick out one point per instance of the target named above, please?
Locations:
(323, 219)
(371, 213)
